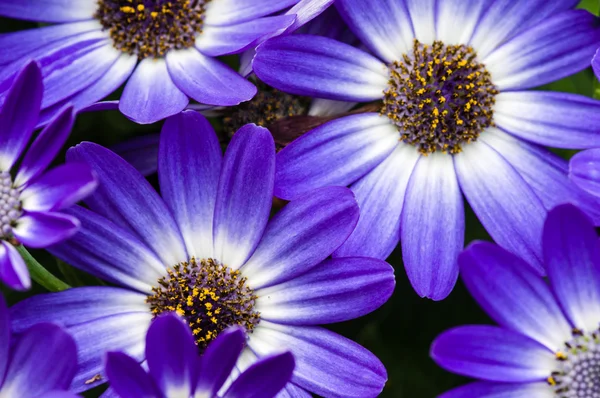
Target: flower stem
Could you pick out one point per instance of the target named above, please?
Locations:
(40, 274)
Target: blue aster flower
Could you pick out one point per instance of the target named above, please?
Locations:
(165, 50)
(39, 363)
(454, 119)
(176, 370)
(208, 251)
(547, 342)
(31, 198)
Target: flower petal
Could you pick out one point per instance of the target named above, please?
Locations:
(432, 226)
(127, 199)
(5, 338)
(244, 195)
(584, 170)
(502, 390)
(380, 195)
(572, 259)
(327, 364)
(230, 12)
(321, 67)
(43, 359)
(555, 48)
(110, 252)
(336, 290)
(492, 353)
(230, 39)
(208, 80)
(140, 152)
(43, 229)
(336, 153)
(504, 203)
(385, 27)
(127, 378)
(304, 233)
(457, 20)
(150, 94)
(171, 355)
(46, 146)
(19, 114)
(48, 10)
(189, 168)
(13, 270)
(264, 378)
(527, 307)
(558, 120)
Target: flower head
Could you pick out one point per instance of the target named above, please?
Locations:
(447, 80)
(547, 343)
(165, 50)
(176, 369)
(31, 198)
(208, 251)
(40, 362)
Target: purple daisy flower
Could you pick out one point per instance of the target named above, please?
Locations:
(176, 370)
(208, 251)
(453, 120)
(166, 49)
(40, 363)
(547, 343)
(31, 198)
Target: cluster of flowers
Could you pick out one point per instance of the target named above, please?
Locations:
(371, 119)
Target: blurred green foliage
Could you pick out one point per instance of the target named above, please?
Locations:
(400, 332)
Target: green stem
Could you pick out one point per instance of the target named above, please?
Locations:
(40, 274)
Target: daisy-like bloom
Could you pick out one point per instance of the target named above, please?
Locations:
(177, 371)
(31, 198)
(41, 362)
(547, 344)
(208, 251)
(166, 48)
(449, 77)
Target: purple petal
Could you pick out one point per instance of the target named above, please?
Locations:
(171, 355)
(327, 364)
(13, 271)
(244, 195)
(208, 80)
(305, 11)
(492, 353)
(320, 67)
(127, 378)
(264, 378)
(5, 338)
(596, 64)
(19, 114)
(127, 199)
(584, 170)
(572, 259)
(304, 233)
(433, 226)
(556, 47)
(293, 391)
(219, 359)
(380, 195)
(504, 203)
(189, 168)
(110, 252)
(336, 290)
(59, 188)
(43, 229)
(545, 172)
(336, 153)
(150, 94)
(230, 12)
(48, 10)
(558, 120)
(466, 15)
(385, 26)
(502, 390)
(46, 146)
(140, 152)
(230, 39)
(527, 307)
(44, 359)
(59, 394)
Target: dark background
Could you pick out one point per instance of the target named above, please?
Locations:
(401, 331)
